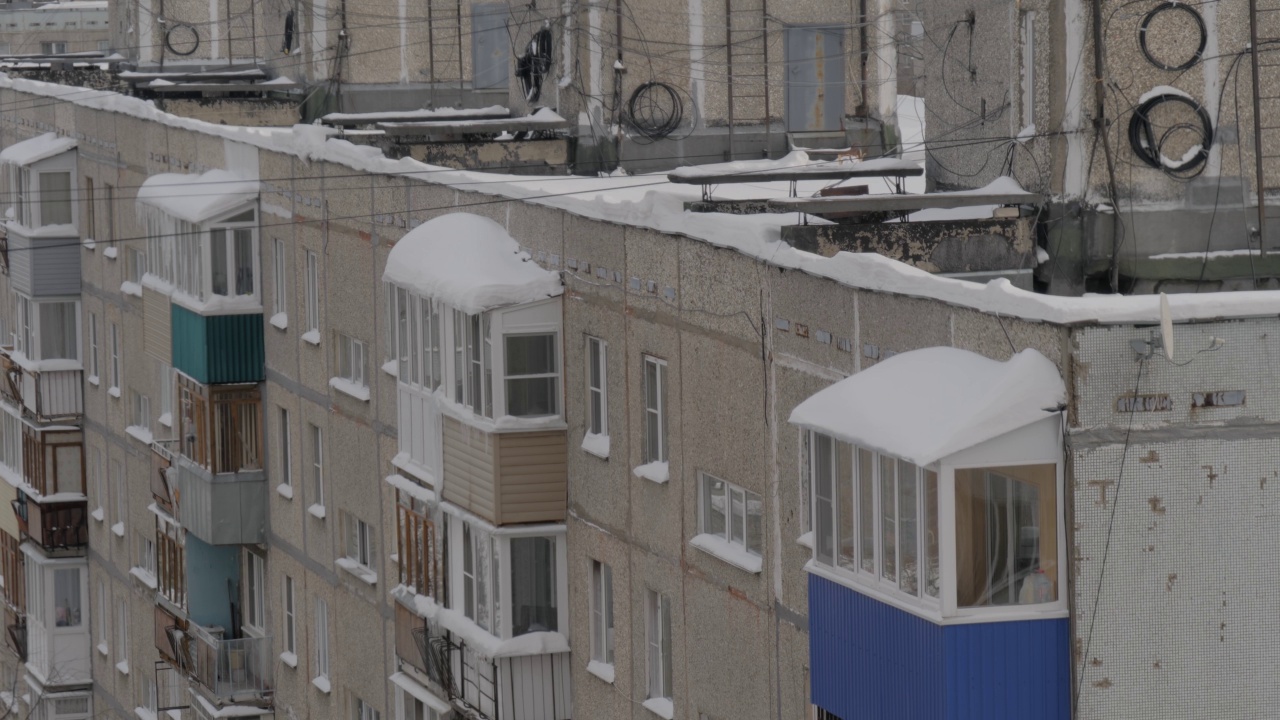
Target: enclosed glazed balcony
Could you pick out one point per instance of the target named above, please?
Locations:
(216, 486)
(46, 391)
(510, 477)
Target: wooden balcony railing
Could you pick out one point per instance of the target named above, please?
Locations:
(415, 547)
(53, 460)
(220, 427)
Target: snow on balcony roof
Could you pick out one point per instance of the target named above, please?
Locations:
(927, 404)
(197, 198)
(469, 262)
(493, 111)
(38, 148)
(795, 165)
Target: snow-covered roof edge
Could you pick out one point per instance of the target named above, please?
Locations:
(755, 236)
(35, 149)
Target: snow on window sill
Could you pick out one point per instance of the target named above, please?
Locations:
(604, 671)
(118, 529)
(97, 514)
(89, 244)
(123, 667)
(312, 336)
(285, 490)
(347, 387)
(806, 540)
(144, 575)
(662, 707)
(597, 445)
(114, 392)
(139, 433)
(280, 321)
(289, 659)
(361, 572)
(166, 420)
(131, 288)
(110, 252)
(93, 380)
(144, 713)
(658, 472)
(102, 648)
(735, 555)
(392, 368)
(317, 510)
(321, 683)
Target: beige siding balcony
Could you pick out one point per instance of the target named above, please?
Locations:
(506, 478)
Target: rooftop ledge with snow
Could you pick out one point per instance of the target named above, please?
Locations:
(469, 262)
(653, 202)
(796, 165)
(1001, 191)
(925, 405)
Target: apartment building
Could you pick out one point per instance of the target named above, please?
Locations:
(55, 28)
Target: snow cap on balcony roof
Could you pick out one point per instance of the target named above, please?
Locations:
(197, 198)
(927, 404)
(36, 149)
(469, 262)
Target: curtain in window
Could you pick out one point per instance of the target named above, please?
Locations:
(533, 585)
(66, 597)
(218, 260)
(244, 261)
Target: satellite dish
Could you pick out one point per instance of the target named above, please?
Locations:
(1166, 327)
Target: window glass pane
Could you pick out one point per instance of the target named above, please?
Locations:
(755, 524)
(844, 506)
(218, 260)
(55, 198)
(907, 528)
(58, 331)
(930, 580)
(866, 510)
(66, 597)
(823, 452)
(532, 397)
(531, 354)
(533, 585)
(714, 503)
(888, 518)
(244, 261)
(1006, 535)
(607, 600)
(737, 516)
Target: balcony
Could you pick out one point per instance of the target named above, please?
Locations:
(59, 527)
(226, 509)
(53, 461)
(531, 687)
(233, 671)
(510, 477)
(43, 391)
(171, 639)
(16, 633)
(218, 349)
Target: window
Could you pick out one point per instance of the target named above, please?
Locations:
(254, 592)
(279, 269)
(111, 212)
(732, 514)
(286, 457)
(147, 692)
(351, 357)
(22, 337)
(55, 198)
(359, 537)
(322, 639)
(533, 375)
(1006, 536)
(477, 566)
(19, 182)
(472, 362)
(122, 635)
(66, 597)
(597, 394)
(364, 711)
(96, 479)
(233, 256)
(93, 348)
(141, 409)
(290, 622)
(47, 330)
(875, 516)
(90, 207)
(11, 447)
(533, 585)
(117, 479)
(103, 45)
(164, 371)
(317, 465)
(53, 48)
(115, 358)
(658, 643)
(414, 338)
(601, 612)
(655, 401)
(409, 707)
(147, 554)
(135, 265)
(103, 603)
(313, 292)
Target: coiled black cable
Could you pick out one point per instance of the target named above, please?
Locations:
(1149, 148)
(655, 110)
(1170, 7)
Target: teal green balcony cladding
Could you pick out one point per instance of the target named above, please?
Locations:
(216, 349)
